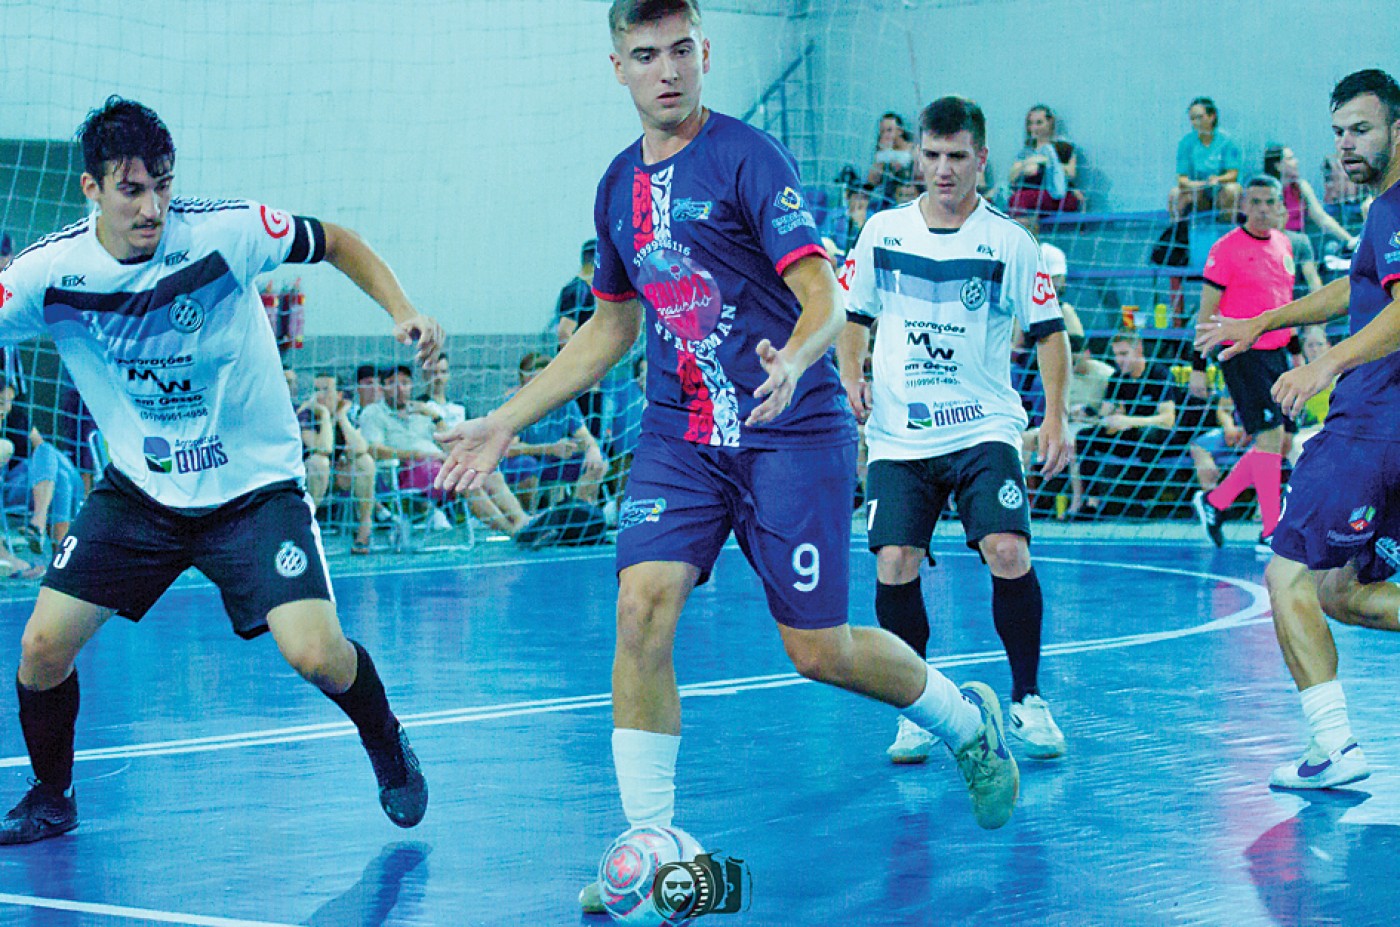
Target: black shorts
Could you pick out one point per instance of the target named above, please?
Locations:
(1250, 379)
(905, 497)
(261, 550)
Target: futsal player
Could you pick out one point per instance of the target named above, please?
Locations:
(1248, 272)
(703, 230)
(947, 276)
(1339, 537)
(152, 307)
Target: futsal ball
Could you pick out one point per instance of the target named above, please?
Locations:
(628, 871)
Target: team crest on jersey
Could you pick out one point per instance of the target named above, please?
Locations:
(290, 560)
(1010, 495)
(1395, 240)
(158, 456)
(920, 418)
(186, 314)
(973, 294)
(277, 222)
(847, 274)
(789, 199)
(688, 210)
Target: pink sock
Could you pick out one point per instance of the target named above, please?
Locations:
(1240, 478)
(1268, 482)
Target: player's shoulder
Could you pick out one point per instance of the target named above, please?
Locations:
(51, 247)
(1013, 233)
(1389, 203)
(193, 206)
(620, 166)
(737, 139)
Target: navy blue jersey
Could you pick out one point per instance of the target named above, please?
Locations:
(1366, 400)
(702, 239)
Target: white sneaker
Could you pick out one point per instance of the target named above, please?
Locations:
(911, 743)
(590, 899)
(1033, 725)
(1318, 770)
(990, 771)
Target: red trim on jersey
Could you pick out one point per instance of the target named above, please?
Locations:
(615, 297)
(793, 256)
(1385, 284)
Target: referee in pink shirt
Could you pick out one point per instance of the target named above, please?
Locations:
(1248, 272)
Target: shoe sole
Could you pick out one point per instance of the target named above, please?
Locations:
(908, 759)
(1316, 787)
(56, 832)
(1037, 751)
(993, 715)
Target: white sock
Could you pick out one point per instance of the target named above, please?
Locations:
(943, 712)
(646, 775)
(1325, 708)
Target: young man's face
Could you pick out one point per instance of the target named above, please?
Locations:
(1126, 354)
(662, 65)
(133, 204)
(1261, 208)
(1365, 138)
(950, 165)
(368, 391)
(398, 390)
(326, 393)
(442, 373)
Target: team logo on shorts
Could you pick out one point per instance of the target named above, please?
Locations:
(1360, 519)
(973, 294)
(639, 511)
(1388, 549)
(186, 314)
(1010, 495)
(290, 561)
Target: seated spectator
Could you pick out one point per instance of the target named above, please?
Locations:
(907, 192)
(1139, 406)
(1314, 343)
(396, 430)
(558, 448)
(1043, 175)
(1339, 191)
(1208, 164)
(574, 307)
(893, 163)
(1299, 198)
(39, 477)
(317, 435)
(1304, 257)
(444, 412)
(367, 391)
(351, 464)
(844, 228)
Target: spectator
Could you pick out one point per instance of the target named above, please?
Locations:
(844, 228)
(7, 250)
(907, 192)
(396, 431)
(317, 437)
(624, 432)
(1304, 257)
(894, 159)
(575, 304)
(1208, 166)
(351, 464)
(1043, 175)
(1139, 406)
(74, 428)
(558, 448)
(1299, 198)
(1314, 343)
(39, 477)
(1339, 190)
(367, 392)
(1216, 449)
(444, 412)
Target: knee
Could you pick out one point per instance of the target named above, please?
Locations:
(43, 653)
(318, 468)
(364, 466)
(895, 566)
(1007, 555)
(645, 620)
(1336, 595)
(820, 660)
(318, 659)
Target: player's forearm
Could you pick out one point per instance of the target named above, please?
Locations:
(348, 253)
(594, 349)
(1326, 304)
(1380, 337)
(1052, 356)
(823, 310)
(852, 347)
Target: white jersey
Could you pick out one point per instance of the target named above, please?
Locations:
(173, 355)
(945, 301)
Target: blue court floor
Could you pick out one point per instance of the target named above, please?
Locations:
(218, 789)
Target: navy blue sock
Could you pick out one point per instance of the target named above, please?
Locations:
(1018, 608)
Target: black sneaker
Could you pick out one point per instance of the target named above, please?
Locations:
(43, 813)
(403, 792)
(1211, 518)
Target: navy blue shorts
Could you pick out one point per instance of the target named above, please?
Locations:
(124, 550)
(789, 509)
(1343, 506)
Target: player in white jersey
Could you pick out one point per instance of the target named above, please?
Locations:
(946, 277)
(152, 307)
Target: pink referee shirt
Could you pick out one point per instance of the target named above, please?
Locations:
(1255, 275)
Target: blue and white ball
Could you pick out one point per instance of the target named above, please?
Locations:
(628, 871)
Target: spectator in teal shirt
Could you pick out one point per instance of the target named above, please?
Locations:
(1208, 166)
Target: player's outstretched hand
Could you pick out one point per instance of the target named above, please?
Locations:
(1300, 384)
(426, 332)
(1218, 329)
(858, 392)
(776, 391)
(1054, 446)
(474, 449)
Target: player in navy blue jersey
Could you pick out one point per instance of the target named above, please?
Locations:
(1339, 537)
(705, 239)
(152, 306)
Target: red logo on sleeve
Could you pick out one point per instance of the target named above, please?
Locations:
(5, 295)
(848, 271)
(1044, 289)
(277, 222)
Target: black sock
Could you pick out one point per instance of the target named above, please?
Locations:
(1018, 609)
(47, 716)
(365, 703)
(900, 610)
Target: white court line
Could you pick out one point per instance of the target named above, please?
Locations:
(135, 914)
(1259, 605)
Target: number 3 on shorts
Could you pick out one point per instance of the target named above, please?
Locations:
(65, 552)
(807, 563)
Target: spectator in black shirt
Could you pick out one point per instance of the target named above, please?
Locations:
(575, 304)
(1139, 408)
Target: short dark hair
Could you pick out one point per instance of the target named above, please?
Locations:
(1371, 80)
(366, 372)
(951, 115)
(1265, 180)
(624, 14)
(7, 245)
(123, 130)
(326, 374)
(589, 252)
(1273, 154)
(397, 369)
(1126, 336)
(1207, 104)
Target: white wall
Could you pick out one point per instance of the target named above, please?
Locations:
(1120, 72)
(462, 138)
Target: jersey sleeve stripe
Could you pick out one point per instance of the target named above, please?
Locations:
(860, 318)
(1039, 331)
(1218, 286)
(615, 297)
(798, 254)
(309, 244)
